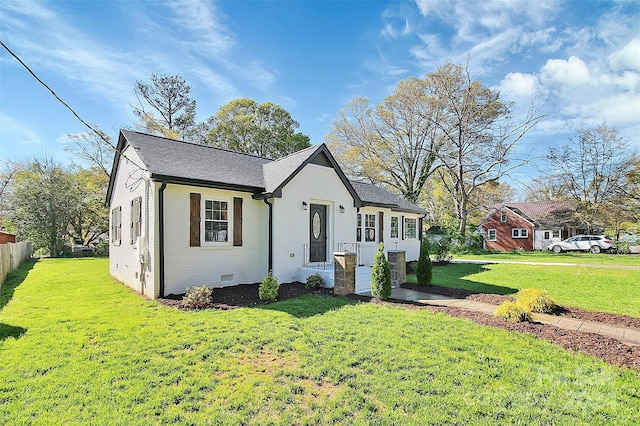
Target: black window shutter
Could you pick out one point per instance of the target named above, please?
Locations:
(420, 229)
(402, 220)
(381, 226)
(237, 221)
(194, 220)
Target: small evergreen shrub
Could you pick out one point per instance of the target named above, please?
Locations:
(269, 288)
(197, 297)
(510, 311)
(381, 275)
(314, 281)
(424, 271)
(534, 300)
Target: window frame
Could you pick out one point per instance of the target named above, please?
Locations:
(136, 219)
(503, 217)
(203, 223)
(116, 225)
(394, 231)
(407, 228)
(495, 234)
(369, 227)
(518, 233)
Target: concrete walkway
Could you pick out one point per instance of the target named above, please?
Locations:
(628, 336)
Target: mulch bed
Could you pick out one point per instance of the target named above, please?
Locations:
(609, 349)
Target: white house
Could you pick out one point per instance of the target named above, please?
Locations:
(183, 214)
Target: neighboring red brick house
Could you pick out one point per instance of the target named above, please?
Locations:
(528, 225)
(6, 237)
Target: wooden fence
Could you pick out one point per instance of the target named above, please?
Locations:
(11, 256)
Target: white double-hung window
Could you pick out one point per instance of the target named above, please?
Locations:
(216, 221)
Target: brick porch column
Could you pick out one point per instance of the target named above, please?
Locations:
(344, 273)
(398, 265)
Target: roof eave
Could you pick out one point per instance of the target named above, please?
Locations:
(205, 183)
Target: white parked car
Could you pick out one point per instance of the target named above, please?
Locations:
(592, 243)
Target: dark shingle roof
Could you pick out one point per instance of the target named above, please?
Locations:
(375, 196)
(551, 213)
(177, 159)
(278, 171)
(186, 162)
(545, 212)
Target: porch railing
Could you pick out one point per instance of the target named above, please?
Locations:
(351, 248)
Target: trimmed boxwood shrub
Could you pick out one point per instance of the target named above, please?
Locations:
(381, 275)
(314, 281)
(424, 271)
(197, 297)
(535, 300)
(268, 289)
(511, 312)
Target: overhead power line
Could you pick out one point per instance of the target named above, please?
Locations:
(55, 95)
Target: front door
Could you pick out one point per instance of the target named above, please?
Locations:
(318, 233)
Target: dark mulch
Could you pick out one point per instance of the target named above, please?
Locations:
(246, 295)
(609, 349)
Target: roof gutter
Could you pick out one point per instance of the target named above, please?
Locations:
(161, 235)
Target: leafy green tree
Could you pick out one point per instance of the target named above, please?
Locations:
(90, 217)
(381, 275)
(42, 201)
(394, 143)
(165, 107)
(266, 129)
(424, 271)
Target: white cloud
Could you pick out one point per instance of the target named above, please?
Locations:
(572, 72)
(203, 21)
(53, 44)
(17, 132)
(519, 85)
(627, 58)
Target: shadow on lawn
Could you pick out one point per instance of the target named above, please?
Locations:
(13, 280)
(7, 330)
(453, 276)
(309, 306)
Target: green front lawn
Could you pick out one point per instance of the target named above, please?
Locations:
(550, 257)
(591, 288)
(78, 348)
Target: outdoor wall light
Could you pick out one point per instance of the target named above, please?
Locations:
(341, 208)
(305, 205)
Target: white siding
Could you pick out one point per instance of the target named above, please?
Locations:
(124, 262)
(315, 185)
(214, 266)
(410, 245)
(539, 242)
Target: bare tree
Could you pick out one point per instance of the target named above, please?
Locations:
(393, 144)
(94, 148)
(478, 133)
(593, 166)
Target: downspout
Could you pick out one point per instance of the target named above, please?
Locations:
(161, 235)
(270, 262)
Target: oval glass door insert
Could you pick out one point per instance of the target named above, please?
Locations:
(316, 225)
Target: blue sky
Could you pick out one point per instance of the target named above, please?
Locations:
(312, 57)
